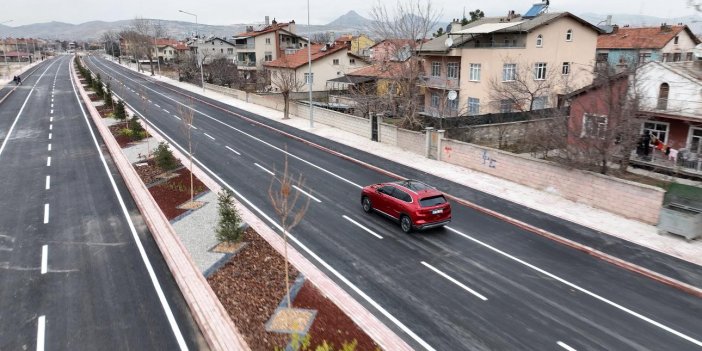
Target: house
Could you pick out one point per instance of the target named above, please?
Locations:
(628, 45)
(328, 61)
(485, 62)
(669, 114)
(267, 43)
(373, 88)
(392, 49)
(360, 44)
(212, 48)
(165, 50)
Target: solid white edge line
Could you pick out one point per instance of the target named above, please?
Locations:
(44, 258)
(297, 242)
(362, 227)
(46, 213)
(565, 346)
(41, 332)
(581, 289)
(264, 169)
(209, 136)
(306, 193)
(452, 280)
(12, 127)
(48, 182)
(48, 161)
(157, 286)
(234, 151)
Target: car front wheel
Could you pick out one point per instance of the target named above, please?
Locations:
(367, 207)
(406, 224)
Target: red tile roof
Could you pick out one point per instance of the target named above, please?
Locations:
(299, 58)
(387, 69)
(269, 29)
(640, 38)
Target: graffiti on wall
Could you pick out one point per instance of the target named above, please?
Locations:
(488, 160)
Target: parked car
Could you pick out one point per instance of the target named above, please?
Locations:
(415, 205)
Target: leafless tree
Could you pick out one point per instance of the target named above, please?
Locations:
(284, 194)
(222, 71)
(285, 81)
(322, 37)
(406, 26)
(187, 117)
(527, 83)
(147, 32)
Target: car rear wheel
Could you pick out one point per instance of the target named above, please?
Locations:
(367, 206)
(406, 224)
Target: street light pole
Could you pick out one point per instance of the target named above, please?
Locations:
(309, 65)
(197, 40)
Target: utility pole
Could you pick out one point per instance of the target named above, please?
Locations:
(309, 65)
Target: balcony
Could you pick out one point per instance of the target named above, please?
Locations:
(440, 83)
(246, 65)
(686, 163)
(245, 46)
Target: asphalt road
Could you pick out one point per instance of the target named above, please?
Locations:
(78, 268)
(480, 284)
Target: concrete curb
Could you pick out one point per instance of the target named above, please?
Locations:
(369, 323)
(692, 290)
(213, 320)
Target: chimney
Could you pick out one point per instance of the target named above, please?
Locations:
(249, 29)
(615, 28)
(455, 26)
(267, 21)
(510, 15)
(665, 27)
(609, 20)
(274, 22)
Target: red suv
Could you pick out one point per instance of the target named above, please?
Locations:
(412, 203)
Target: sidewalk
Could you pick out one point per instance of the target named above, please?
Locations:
(587, 216)
(5, 80)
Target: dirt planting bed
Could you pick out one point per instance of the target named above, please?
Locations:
(174, 192)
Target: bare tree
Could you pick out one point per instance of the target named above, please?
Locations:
(187, 117)
(322, 37)
(222, 71)
(523, 83)
(285, 81)
(284, 193)
(147, 31)
(405, 28)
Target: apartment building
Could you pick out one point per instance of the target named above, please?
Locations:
(627, 46)
(212, 48)
(266, 43)
(360, 44)
(506, 64)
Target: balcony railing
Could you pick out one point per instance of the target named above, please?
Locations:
(496, 45)
(245, 46)
(685, 162)
(440, 82)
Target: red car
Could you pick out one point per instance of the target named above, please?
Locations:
(413, 204)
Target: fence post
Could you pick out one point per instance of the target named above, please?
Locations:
(439, 139)
(380, 121)
(427, 147)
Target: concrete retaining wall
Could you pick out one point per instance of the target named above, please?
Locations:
(352, 124)
(632, 200)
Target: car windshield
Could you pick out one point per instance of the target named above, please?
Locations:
(432, 201)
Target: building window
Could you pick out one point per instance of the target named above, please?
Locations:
(594, 126)
(540, 71)
(452, 70)
(677, 57)
(473, 106)
(566, 68)
(452, 105)
(221, 51)
(657, 129)
(688, 56)
(435, 100)
(268, 56)
(309, 79)
(268, 41)
(509, 72)
(569, 35)
(352, 61)
(539, 103)
(539, 41)
(676, 40)
(506, 105)
(644, 57)
(230, 51)
(602, 57)
(335, 62)
(663, 96)
(474, 72)
(665, 57)
(436, 69)
(696, 140)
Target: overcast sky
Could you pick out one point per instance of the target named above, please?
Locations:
(239, 11)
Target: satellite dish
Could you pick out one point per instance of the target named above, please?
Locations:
(697, 51)
(448, 42)
(452, 95)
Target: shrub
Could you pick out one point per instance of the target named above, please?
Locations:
(120, 112)
(164, 157)
(229, 225)
(108, 96)
(126, 132)
(134, 124)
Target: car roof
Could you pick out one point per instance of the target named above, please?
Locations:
(417, 187)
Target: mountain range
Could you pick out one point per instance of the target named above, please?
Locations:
(351, 22)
